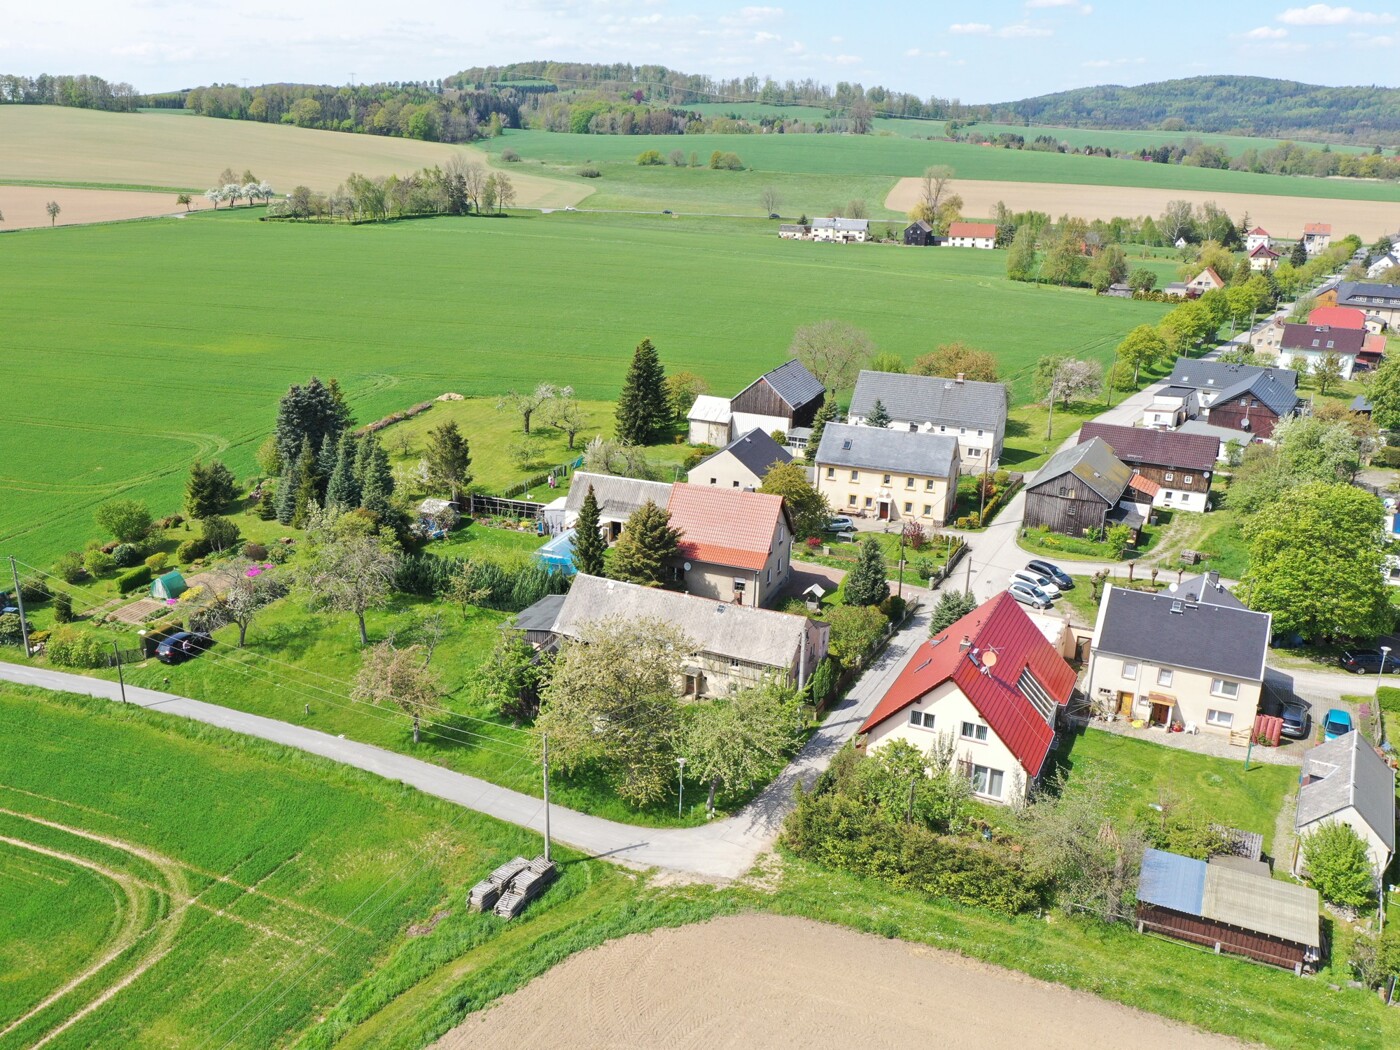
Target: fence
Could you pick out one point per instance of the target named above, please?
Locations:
(558, 472)
(126, 656)
(501, 507)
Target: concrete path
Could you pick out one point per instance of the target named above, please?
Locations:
(722, 849)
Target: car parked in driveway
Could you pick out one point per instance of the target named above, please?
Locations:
(1030, 595)
(1337, 723)
(1036, 580)
(1297, 719)
(1369, 661)
(841, 523)
(185, 645)
(1041, 567)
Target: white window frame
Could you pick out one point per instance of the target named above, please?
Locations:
(1219, 719)
(1165, 676)
(1130, 669)
(921, 719)
(1221, 687)
(989, 776)
(855, 475)
(978, 732)
(1168, 476)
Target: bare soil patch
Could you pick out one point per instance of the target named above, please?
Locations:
(1281, 216)
(23, 206)
(776, 982)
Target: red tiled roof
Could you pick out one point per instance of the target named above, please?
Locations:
(998, 625)
(1156, 448)
(1146, 486)
(1318, 228)
(972, 229)
(1263, 249)
(1374, 346)
(1258, 231)
(1209, 271)
(725, 526)
(1338, 317)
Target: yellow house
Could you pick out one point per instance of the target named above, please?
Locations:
(736, 545)
(892, 475)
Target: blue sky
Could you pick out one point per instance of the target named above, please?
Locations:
(990, 51)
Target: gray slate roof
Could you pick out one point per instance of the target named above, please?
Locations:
(756, 450)
(1208, 590)
(853, 225)
(541, 615)
(1217, 639)
(932, 399)
(617, 497)
(1356, 293)
(890, 451)
(792, 382)
(1093, 463)
(1218, 375)
(757, 636)
(1352, 775)
(1275, 393)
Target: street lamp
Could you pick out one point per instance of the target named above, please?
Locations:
(1385, 651)
(680, 781)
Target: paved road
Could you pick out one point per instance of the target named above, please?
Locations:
(722, 849)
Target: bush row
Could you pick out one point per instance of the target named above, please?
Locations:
(133, 579)
(73, 647)
(506, 587)
(394, 417)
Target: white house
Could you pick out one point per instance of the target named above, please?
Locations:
(972, 235)
(1317, 237)
(710, 419)
(1171, 406)
(972, 412)
(1345, 781)
(1256, 237)
(1312, 343)
(841, 231)
(1206, 281)
(1262, 258)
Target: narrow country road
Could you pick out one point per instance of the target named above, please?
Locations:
(721, 849)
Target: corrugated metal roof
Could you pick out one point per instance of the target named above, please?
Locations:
(617, 497)
(892, 451)
(710, 409)
(792, 382)
(1093, 463)
(1170, 880)
(1262, 904)
(725, 526)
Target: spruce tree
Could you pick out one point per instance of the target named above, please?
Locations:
(828, 413)
(305, 493)
(343, 490)
(286, 495)
(325, 461)
(878, 416)
(951, 606)
(1299, 256)
(378, 483)
(309, 412)
(643, 408)
(209, 489)
(647, 546)
(867, 583)
(589, 545)
(449, 459)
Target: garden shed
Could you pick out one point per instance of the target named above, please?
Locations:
(558, 553)
(169, 586)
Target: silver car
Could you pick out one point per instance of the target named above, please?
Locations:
(1027, 594)
(1043, 583)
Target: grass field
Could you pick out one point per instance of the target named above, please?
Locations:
(177, 337)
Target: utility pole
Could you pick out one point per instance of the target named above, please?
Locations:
(545, 739)
(982, 490)
(967, 585)
(19, 603)
(121, 678)
(1050, 419)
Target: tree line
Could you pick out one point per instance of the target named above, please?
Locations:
(82, 92)
(456, 188)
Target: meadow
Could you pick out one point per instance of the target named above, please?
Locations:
(128, 350)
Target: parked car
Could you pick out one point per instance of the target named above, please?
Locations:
(665, 211)
(841, 523)
(1028, 594)
(1337, 723)
(185, 645)
(1297, 719)
(1036, 580)
(774, 215)
(1041, 567)
(1368, 661)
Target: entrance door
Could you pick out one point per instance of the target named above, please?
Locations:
(884, 510)
(1161, 713)
(1125, 704)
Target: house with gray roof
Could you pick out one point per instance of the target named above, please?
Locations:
(1191, 656)
(1249, 400)
(742, 463)
(971, 411)
(1378, 301)
(842, 231)
(1087, 488)
(733, 645)
(784, 399)
(1180, 464)
(891, 475)
(617, 499)
(1346, 781)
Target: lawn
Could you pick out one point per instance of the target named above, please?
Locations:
(1081, 598)
(166, 340)
(1216, 534)
(1054, 545)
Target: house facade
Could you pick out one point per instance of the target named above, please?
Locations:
(971, 235)
(1194, 657)
(1082, 489)
(791, 231)
(1345, 781)
(993, 685)
(1263, 258)
(1317, 237)
(1205, 281)
(920, 234)
(784, 399)
(841, 231)
(1248, 400)
(1313, 342)
(1171, 406)
(972, 412)
(742, 464)
(1181, 465)
(892, 475)
(1380, 302)
(1256, 238)
(617, 499)
(736, 546)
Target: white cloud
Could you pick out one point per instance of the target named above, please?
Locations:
(969, 28)
(1265, 33)
(797, 47)
(1022, 32)
(1327, 15)
(844, 60)
(765, 38)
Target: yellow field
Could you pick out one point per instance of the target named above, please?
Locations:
(1281, 216)
(52, 143)
(23, 206)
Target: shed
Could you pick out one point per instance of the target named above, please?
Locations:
(558, 553)
(920, 233)
(1238, 912)
(171, 585)
(436, 517)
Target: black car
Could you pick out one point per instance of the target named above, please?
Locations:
(185, 645)
(1368, 661)
(1058, 576)
(1297, 719)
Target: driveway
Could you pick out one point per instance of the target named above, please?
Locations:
(721, 849)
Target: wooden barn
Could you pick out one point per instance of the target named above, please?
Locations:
(1083, 488)
(789, 392)
(1231, 906)
(921, 234)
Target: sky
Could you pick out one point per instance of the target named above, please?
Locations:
(989, 51)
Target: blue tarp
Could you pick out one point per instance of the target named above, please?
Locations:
(1170, 880)
(558, 553)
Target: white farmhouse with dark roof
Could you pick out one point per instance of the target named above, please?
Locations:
(892, 475)
(1194, 656)
(972, 412)
(617, 499)
(1344, 781)
(842, 231)
(742, 463)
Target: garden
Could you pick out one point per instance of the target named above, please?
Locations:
(1114, 543)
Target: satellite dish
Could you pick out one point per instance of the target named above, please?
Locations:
(1171, 587)
(687, 566)
(989, 659)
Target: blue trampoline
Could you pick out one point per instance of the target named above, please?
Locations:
(558, 553)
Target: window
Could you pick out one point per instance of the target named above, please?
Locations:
(1169, 476)
(1164, 676)
(851, 501)
(922, 719)
(1222, 719)
(855, 475)
(734, 483)
(962, 430)
(942, 429)
(885, 479)
(767, 575)
(1167, 494)
(1130, 668)
(987, 781)
(928, 484)
(733, 662)
(974, 452)
(908, 483)
(1220, 687)
(1064, 491)
(928, 510)
(714, 481)
(974, 731)
(979, 433)
(831, 472)
(868, 501)
(1186, 479)
(908, 508)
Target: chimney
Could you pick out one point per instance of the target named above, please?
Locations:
(961, 376)
(965, 644)
(1213, 579)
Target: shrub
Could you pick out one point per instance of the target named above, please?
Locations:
(125, 555)
(157, 561)
(893, 608)
(1338, 865)
(190, 550)
(73, 647)
(219, 534)
(133, 579)
(69, 567)
(11, 630)
(813, 542)
(174, 521)
(650, 158)
(254, 551)
(588, 171)
(38, 637)
(915, 536)
(924, 567)
(278, 553)
(63, 607)
(34, 589)
(1386, 457)
(698, 454)
(126, 519)
(99, 563)
(510, 156)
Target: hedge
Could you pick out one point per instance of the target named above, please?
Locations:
(133, 579)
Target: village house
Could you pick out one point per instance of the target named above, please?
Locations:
(1205, 281)
(1193, 656)
(1317, 237)
(972, 412)
(1181, 464)
(1171, 406)
(1388, 261)
(736, 546)
(1265, 339)
(1177, 290)
(1087, 488)
(734, 646)
(617, 499)
(791, 231)
(741, 464)
(1257, 238)
(1345, 781)
(992, 685)
(1247, 399)
(1263, 258)
(1312, 343)
(841, 231)
(921, 234)
(1381, 302)
(784, 399)
(892, 475)
(711, 420)
(971, 235)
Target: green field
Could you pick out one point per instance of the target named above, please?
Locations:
(130, 349)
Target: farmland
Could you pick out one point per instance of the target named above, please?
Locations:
(176, 337)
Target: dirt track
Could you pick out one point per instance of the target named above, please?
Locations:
(1281, 216)
(773, 982)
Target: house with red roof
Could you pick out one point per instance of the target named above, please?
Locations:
(1317, 237)
(991, 682)
(1205, 281)
(1263, 258)
(736, 546)
(1257, 236)
(1338, 317)
(971, 235)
